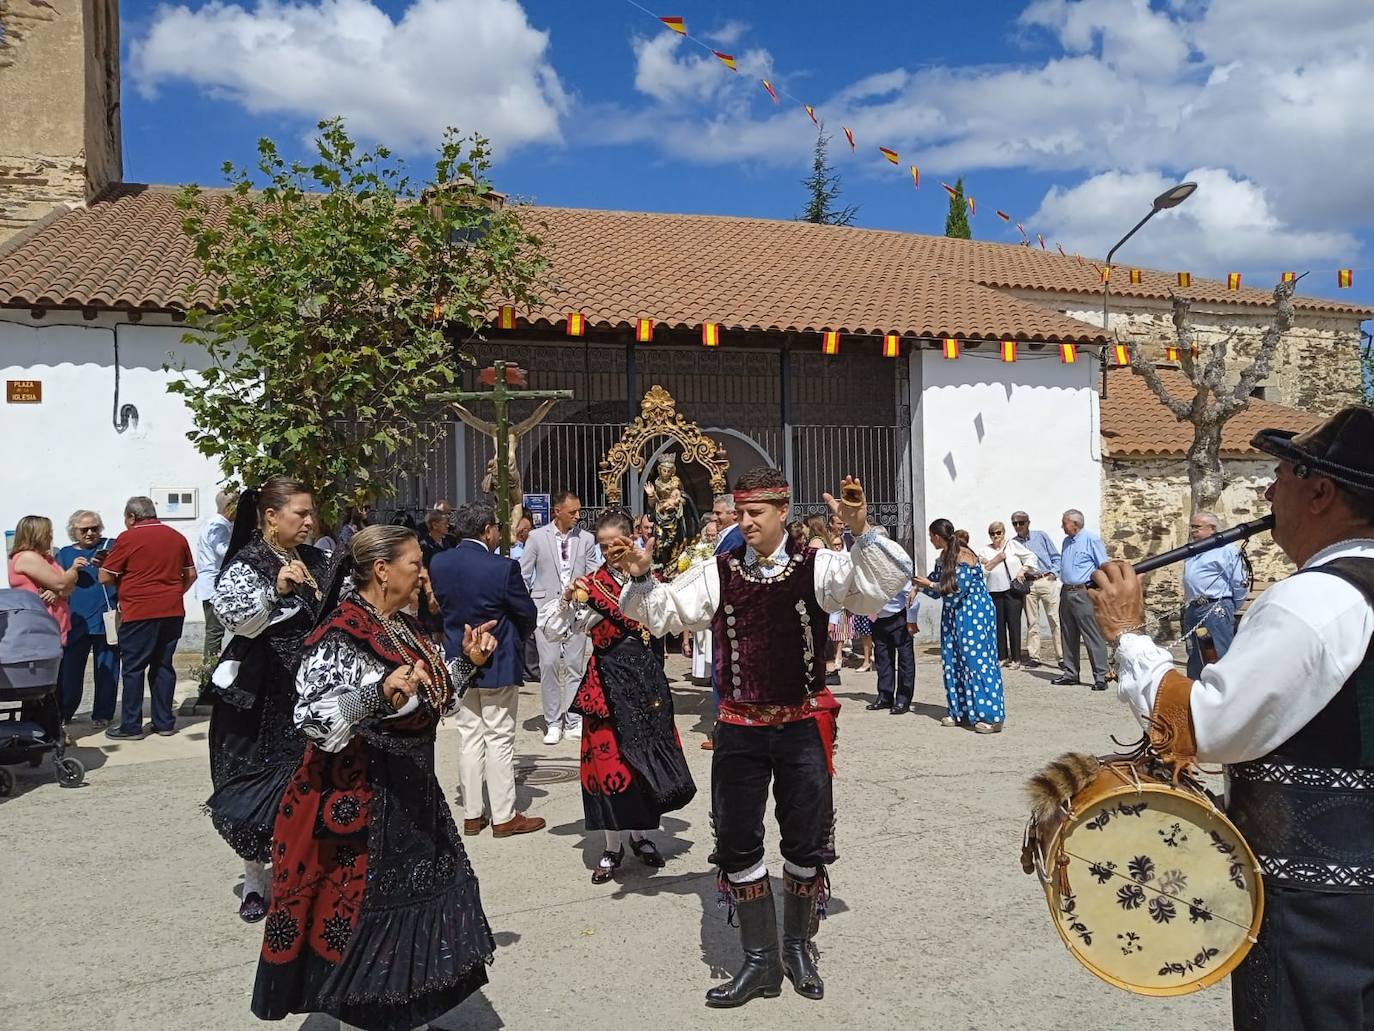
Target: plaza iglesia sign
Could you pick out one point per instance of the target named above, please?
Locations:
(24, 391)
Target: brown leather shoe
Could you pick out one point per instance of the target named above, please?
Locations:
(477, 826)
(517, 824)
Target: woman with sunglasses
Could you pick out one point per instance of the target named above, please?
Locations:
(89, 601)
(1006, 562)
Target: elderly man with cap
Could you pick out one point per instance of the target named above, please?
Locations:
(1289, 710)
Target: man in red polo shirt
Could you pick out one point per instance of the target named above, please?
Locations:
(153, 566)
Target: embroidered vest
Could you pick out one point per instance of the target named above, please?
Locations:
(1307, 808)
(770, 634)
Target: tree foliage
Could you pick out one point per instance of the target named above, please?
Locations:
(343, 293)
(956, 222)
(823, 188)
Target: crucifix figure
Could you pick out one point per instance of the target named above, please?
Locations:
(502, 480)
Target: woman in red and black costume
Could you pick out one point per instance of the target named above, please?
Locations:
(633, 770)
(376, 917)
(767, 603)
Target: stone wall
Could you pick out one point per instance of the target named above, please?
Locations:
(1146, 505)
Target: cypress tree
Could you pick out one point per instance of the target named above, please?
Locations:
(956, 222)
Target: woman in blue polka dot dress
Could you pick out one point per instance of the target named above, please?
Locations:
(968, 634)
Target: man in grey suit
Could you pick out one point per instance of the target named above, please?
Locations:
(555, 555)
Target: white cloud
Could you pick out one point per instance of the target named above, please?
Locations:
(728, 34)
(475, 64)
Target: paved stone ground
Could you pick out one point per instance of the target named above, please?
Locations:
(119, 909)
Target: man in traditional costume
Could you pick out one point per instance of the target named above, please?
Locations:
(767, 602)
(1290, 711)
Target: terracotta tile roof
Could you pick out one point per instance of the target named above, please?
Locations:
(1135, 423)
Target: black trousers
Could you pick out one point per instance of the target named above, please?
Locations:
(894, 657)
(792, 756)
(147, 647)
(1312, 969)
(1009, 607)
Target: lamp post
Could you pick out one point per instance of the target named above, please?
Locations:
(1170, 198)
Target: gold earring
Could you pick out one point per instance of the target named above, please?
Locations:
(272, 535)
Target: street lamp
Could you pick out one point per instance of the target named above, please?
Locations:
(1170, 198)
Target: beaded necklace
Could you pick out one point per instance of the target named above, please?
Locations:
(288, 555)
(408, 644)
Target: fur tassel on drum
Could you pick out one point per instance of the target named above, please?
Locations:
(1051, 788)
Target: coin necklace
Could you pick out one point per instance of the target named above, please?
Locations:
(288, 555)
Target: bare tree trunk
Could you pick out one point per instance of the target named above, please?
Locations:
(1205, 476)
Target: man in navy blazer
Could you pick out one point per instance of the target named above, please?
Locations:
(473, 585)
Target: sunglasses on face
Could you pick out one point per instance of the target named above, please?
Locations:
(1020, 522)
(88, 529)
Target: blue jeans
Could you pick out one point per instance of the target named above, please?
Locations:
(1220, 623)
(82, 643)
(147, 647)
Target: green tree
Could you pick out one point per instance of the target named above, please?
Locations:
(823, 188)
(342, 295)
(956, 222)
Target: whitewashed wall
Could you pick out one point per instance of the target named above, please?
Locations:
(65, 453)
(994, 437)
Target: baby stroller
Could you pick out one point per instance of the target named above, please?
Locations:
(30, 714)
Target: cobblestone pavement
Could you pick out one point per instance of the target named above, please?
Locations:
(119, 908)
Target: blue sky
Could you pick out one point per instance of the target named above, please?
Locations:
(1068, 114)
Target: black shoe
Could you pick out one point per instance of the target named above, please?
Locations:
(608, 865)
(761, 973)
(120, 734)
(1031, 664)
(150, 729)
(798, 927)
(879, 704)
(1066, 679)
(647, 851)
(1099, 686)
(900, 708)
(253, 908)
(832, 679)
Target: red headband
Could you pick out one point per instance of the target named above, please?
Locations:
(774, 494)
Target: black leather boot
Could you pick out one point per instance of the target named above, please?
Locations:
(761, 974)
(798, 928)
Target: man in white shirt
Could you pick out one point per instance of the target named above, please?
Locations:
(1290, 711)
(210, 549)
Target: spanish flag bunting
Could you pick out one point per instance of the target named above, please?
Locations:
(1003, 216)
(1008, 350)
(1062, 253)
(644, 330)
(1041, 238)
(915, 177)
(890, 154)
(726, 59)
(678, 25)
(1020, 228)
(577, 325)
(811, 114)
(1171, 353)
(891, 345)
(1344, 277)
(507, 316)
(771, 91)
(1122, 358)
(1185, 279)
(972, 205)
(1135, 277)
(830, 342)
(849, 135)
(1068, 354)
(1106, 273)
(1233, 281)
(710, 334)
(951, 347)
(1289, 277)
(950, 190)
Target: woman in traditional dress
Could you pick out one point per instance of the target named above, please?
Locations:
(632, 766)
(968, 634)
(268, 596)
(376, 916)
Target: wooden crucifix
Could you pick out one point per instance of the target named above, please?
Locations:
(500, 378)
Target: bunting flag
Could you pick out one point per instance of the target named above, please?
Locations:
(891, 345)
(710, 334)
(891, 155)
(972, 205)
(1136, 277)
(1289, 277)
(1344, 277)
(1021, 229)
(1008, 350)
(1185, 279)
(1233, 281)
(577, 325)
(1106, 273)
(1003, 216)
(1041, 238)
(507, 317)
(644, 330)
(1068, 354)
(950, 189)
(1062, 253)
(1171, 353)
(951, 347)
(678, 25)
(830, 342)
(726, 59)
(915, 177)
(1122, 358)
(811, 113)
(771, 91)
(849, 135)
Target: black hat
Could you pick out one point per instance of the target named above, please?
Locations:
(1341, 449)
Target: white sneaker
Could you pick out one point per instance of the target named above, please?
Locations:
(554, 734)
(574, 733)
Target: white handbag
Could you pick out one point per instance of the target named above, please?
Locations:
(110, 617)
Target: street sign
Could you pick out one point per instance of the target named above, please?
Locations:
(24, 391)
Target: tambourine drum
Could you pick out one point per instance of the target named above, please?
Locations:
(1151, 887)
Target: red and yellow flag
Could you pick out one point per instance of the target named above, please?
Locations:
(972, 205)
(1233, 281)
(1344, 277)
(950, 190)
(1171, 353)
(830, 342)
(1020, 228)
(1068, 354)
(1008, 350)
(678, 25)
(849, 135)
(951, 347)
(644, 330)
(710, 334)
(1289, 277)
(1122, 356)
(892, 346)
(890, 154)
(1185, 279)
(726, 59)
(771, 91)
(1106, 273)
(1062, 253)
(1136, 277)
(507, 317)
(577, 324)
(811, 114)
(1003, 216)
(1041, 238)
(915, 177)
